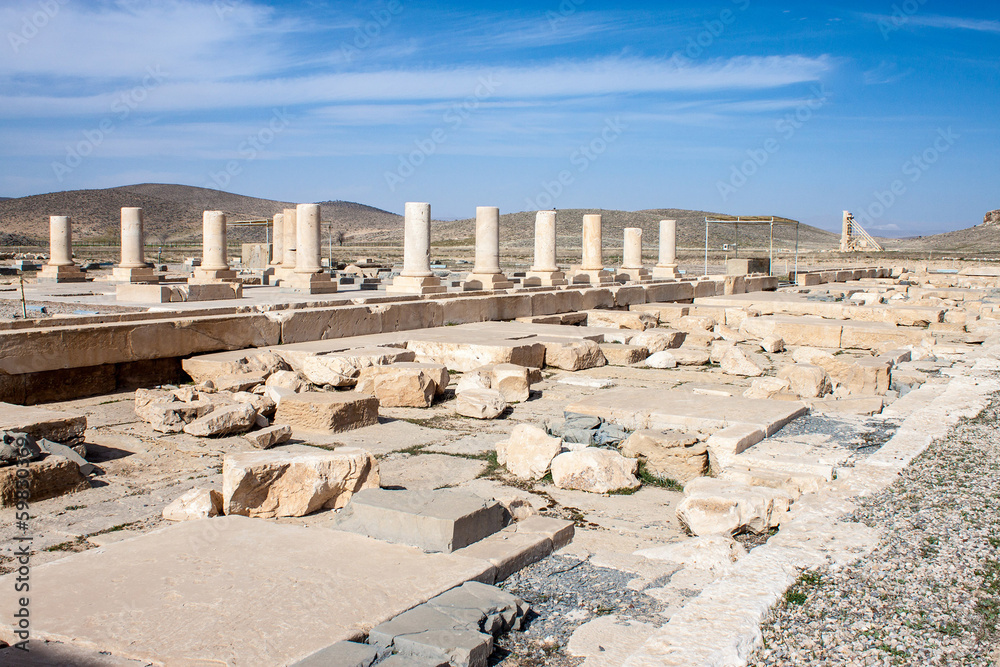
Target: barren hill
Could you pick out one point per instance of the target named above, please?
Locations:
(171, 212)
(517, 230)
(981, 239)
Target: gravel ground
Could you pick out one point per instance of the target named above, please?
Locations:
(11, 310)
(930, 592)
(565, 593)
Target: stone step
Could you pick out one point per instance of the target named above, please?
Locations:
(442, 520)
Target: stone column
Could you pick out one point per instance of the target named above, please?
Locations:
(632, 270)
(290, 239)
(132, 268)
(61, 268)
(214, 256)
(278, 239)
(309, 276)
(486, 274)
(416, 277)
(667, 266)
(545, 272)
(592, 267)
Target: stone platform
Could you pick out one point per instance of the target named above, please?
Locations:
(232, 591)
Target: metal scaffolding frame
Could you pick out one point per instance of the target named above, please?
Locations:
(771, 222)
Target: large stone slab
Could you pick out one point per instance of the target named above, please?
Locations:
(52, 476)
(208, 592)
(327, 412)
(442, 520)
(54, 425)
(637, 409)
(471, 353)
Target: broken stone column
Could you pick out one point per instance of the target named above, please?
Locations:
(132, 268)
(592, 267)
(278, 240)
(632, 269)
(286, 266)
(545, 272)
(667, 266)
(61, 268)
(416, 277)
(486, 274)
(309, 276)
(214, 260)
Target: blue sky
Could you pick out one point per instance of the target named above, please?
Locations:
(887, 109)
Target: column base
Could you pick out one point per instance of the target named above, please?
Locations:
(62, 274)
(279, 274)
(640, 275)
(135, 275)
(416, 285)
(592, 277)
(666, 271)
(201, 275)
(488, 282)
(309, 283)
(544, 279)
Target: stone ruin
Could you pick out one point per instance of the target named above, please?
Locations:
(376, 467)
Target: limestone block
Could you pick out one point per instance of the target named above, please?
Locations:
(295, 483)
(480, 378)
(560, 531)
(711, 552)
(399, 386)
(806, 380)
(836, 368)
(441, 520)
(594, 470)
(466, 355)
(511, 381)
(194, 504)
(747, 364)
(528, 452)
(794, 330)
(171, 416)
(868, 377)
(668, 454)
(53, 476)
(341, 369)
(772, 344)
(726, 443)
(226, 420)
(55, 425)
(262, 403)
(269, 437)
(342, 654)
(327, 412)
(724, 507)
(238, 382)
(574, 355)
(498, 611)
(693, 323)
(618, 354)
(480, 403)
(728, 334)
(510, 550)
(286, 380)
(690, 356)
(276, 394)
(794, 483)
(767, 387)
(639, 320)
(658, 340)
(663, 359)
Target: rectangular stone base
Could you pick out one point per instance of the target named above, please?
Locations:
(214, 276)
(61, 274)
(309, 283)
(140, 275)
(545, 279)
(660, 272)
(592, 277)
(416, 285)
(177, 293)
(486, 282)
(278, 274)
(634, 276)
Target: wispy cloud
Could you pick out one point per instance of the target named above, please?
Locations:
(886, 72)
(955, 22)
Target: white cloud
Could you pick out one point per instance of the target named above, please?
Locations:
(886, 72)
(955, 22)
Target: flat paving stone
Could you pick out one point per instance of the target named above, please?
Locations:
(637, 409)
(428, 471)
(232, 591)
